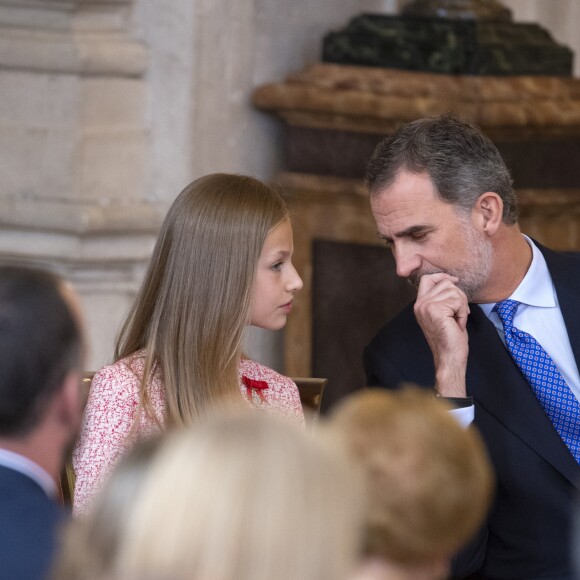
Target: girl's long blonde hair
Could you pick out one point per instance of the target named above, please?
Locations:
(190, 313)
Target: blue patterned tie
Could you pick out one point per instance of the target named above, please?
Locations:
(548, 384)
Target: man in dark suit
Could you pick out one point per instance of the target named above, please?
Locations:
(40, 412)
(443, 202)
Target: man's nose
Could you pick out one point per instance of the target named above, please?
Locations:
(407, 262)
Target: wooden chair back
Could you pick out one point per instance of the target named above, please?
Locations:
(67, 475)
(311, 391)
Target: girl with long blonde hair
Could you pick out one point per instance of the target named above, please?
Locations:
(222, 261)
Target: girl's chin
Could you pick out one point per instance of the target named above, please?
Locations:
(273, 325)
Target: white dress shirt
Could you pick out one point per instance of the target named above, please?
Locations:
(32, 470)
(539, 314)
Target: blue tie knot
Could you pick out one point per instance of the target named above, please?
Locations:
(506, 310)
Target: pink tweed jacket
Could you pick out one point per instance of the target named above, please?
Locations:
(112, 406)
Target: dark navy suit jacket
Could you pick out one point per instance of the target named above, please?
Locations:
(29, 523)
(527, 535)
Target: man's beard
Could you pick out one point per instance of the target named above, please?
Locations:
(473, 274)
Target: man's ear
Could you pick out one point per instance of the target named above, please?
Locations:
(489, 211)
(69, 400)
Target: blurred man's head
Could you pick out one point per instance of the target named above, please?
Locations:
(41, 348)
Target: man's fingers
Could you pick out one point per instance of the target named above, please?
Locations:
(453, 306)
(462, 322)
(440, 297)
(442, 288)
(443, 292)
(429, 281)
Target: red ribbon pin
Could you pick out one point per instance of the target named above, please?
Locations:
(259, 386)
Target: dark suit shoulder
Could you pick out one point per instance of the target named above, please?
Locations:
(564, 266)
(402, 327)
(30, 524)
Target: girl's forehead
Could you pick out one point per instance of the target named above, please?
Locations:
(279, 238)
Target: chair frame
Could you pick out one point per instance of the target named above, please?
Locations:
(311, 390)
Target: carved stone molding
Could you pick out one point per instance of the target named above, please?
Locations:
(105, 267)
(80, 218)
(72, 37)
(73, 125)
(88, 53)
(365, 99)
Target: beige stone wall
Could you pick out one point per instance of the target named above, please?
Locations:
(75, 151)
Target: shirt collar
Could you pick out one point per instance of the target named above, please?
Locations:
(536, 289)
(32, 470)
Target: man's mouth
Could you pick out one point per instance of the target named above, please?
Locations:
(415, 278)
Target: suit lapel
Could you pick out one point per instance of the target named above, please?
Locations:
(499, 387)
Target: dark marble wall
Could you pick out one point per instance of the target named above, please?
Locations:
(534, 163)
(355, 290)
(441, 45)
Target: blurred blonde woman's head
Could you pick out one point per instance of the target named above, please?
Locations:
(191, 310)
(90, 543)
(244, 498)
(429, 479)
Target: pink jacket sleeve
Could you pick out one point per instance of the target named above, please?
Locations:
(105, 432)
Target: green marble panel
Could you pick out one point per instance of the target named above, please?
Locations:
(448, 46)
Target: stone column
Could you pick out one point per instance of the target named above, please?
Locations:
(74, 147)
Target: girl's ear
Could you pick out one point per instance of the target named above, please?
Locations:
(489, 211)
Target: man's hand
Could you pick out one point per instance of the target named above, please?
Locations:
(441, 310)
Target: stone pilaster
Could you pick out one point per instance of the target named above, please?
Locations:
(74, 151)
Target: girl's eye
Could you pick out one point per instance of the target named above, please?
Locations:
(277, 266)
